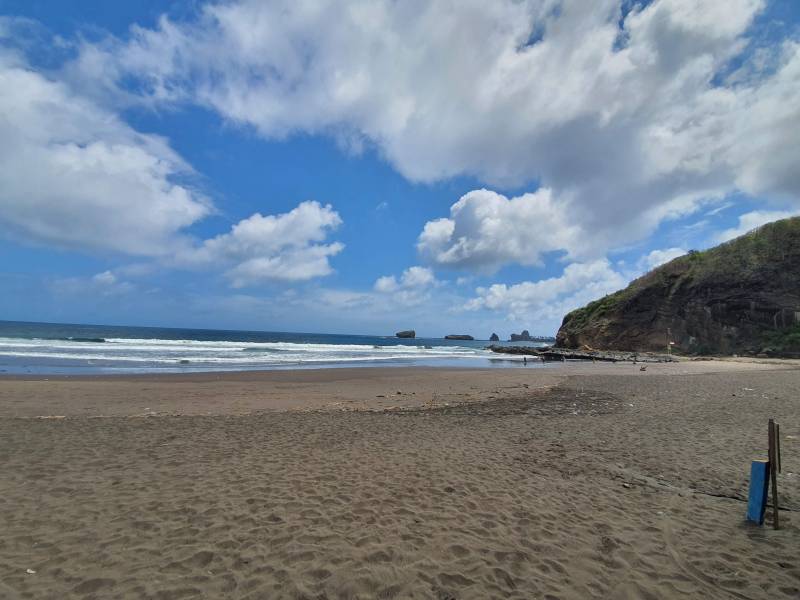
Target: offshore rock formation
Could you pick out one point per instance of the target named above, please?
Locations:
(454, 336)
(409, 333)
(525, 336)
(742, 296)
(494, 338)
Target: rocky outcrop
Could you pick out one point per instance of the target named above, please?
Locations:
(525, 336)
(740, 297)
(409, 333)
(494, 338)
(549, 354)
(454, 336)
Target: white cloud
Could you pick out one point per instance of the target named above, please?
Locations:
(656, 258)
(105, 278)
(627, 124)
(283, 247)
(718, 209)
(623, 124)
(73, 175)
(411, 288)
(413, 277)
(487, 230)
(340, 300)
(105, 284)
(548, 300)
(752, 220)
(544, 303)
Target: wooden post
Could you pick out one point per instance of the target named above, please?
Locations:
(773, 471)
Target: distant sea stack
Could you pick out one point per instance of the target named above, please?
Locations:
(525, 336)
(742, 296)
(409, 333)
(494, 338)
(458, 337)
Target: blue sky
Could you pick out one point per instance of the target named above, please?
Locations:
(305, 166)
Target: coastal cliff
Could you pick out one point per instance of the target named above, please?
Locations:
(742, 296)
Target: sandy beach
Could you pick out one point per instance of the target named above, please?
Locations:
(570, 481)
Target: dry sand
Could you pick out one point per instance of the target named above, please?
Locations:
(579, 481)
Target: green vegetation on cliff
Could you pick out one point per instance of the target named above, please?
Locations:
(743, 295)
(783, 342)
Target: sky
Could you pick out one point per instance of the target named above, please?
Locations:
(365, 167)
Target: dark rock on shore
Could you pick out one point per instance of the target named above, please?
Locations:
(740, 297)
(458, 337)
(549, 354)
(494, 338)
(409, 333)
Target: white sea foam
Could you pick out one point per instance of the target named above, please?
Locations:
(158, 353)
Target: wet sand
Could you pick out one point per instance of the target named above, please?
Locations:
(578, 481)
(372, 388)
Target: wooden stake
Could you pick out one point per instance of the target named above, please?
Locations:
(773, 471)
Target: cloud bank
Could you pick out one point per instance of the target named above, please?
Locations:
(550, 299)
(73, 175)
(284, 247)
(626, 114)
(615, 116)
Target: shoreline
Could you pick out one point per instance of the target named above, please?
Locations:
(780, 363)
(278, 372)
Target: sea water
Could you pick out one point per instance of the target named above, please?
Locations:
(48, 348)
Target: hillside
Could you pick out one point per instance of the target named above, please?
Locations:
(742, 296)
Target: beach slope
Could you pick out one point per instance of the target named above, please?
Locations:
(600, 482)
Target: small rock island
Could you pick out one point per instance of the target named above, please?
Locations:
(525, 336)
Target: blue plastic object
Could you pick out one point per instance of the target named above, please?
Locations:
(759, 486)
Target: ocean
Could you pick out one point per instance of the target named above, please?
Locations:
(50, 348)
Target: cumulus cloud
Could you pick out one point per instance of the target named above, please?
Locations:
(412, 286)
(283, 247)
(486, 230)
(629, 113)
(413, 277)
(623, 115)
(656, 258)
(548, 300)
(752, 220)
(73, 175)
(105, 278)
